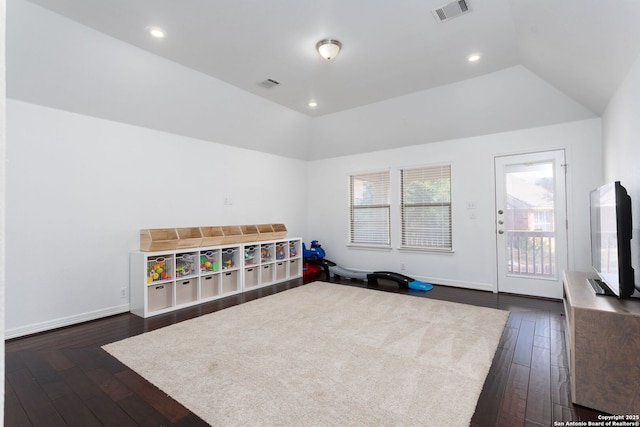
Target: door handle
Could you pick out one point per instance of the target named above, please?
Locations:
(501, 231)
(501, 222)
(500, 212)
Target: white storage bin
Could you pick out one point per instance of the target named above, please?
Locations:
(295, 268)
(266, 274)
(159, 296)
(281, 270)
(251, 277)
(210, 286)
(186, 291)
(230, 282)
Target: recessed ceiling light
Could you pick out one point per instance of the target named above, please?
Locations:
(473, 57)
(312, 104)
(156, 32)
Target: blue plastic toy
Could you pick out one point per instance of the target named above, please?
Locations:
(315, 252)
(420, 286)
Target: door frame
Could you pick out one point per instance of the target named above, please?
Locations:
(567, 209)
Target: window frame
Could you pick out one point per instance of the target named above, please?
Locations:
(384, 206)
(433, 171)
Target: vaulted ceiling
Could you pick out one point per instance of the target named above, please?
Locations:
(390, 48)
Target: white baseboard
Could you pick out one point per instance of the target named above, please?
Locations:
(64, 321)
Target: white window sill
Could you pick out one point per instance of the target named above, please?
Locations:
(429, 250)
(369, 247)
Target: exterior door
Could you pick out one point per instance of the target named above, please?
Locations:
(531, 227)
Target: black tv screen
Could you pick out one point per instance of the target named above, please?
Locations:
(611, 231)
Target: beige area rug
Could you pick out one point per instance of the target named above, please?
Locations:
(324, 355)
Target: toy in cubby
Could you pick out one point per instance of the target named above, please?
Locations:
(265, 254)
(249, 255)
(157, 270)
(185, 265)
(208, 262)
(182, 269)
(280, 251)
(293, 250)
(227, 260)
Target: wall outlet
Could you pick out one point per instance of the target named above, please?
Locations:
(123, 292)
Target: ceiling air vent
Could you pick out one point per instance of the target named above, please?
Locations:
(268, 84)
(451, 10)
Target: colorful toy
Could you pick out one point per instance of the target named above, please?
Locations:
(208, 262)
(249, 255)
(186, 264)
(316, 256)
(157, 270)
(227, 258)
(280, 251)
(183, 269)
(265, 254)
(311, 271)
(315, 252)
(293, 251)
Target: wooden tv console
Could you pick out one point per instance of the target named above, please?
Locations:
(603, 344)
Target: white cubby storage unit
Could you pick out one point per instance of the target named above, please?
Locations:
(168, 280)
(270, 262)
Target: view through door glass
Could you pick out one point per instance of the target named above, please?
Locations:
(530, 219)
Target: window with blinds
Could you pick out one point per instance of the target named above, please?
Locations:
(426, 207)
(369, 209)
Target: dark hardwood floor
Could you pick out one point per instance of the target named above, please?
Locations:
(64, 378)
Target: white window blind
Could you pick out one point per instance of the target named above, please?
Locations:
(369, 209)
(426, 207)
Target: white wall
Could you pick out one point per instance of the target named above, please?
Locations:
(80, 188)
(473, 263)
(621, 139)
(2, 197)
(510, 99)
(83, 178)
(56, 62)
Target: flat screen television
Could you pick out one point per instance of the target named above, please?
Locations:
(611, 232)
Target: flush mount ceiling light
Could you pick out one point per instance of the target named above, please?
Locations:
(328, 48)
(156, 32)
(473, 57)
(312, 104)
